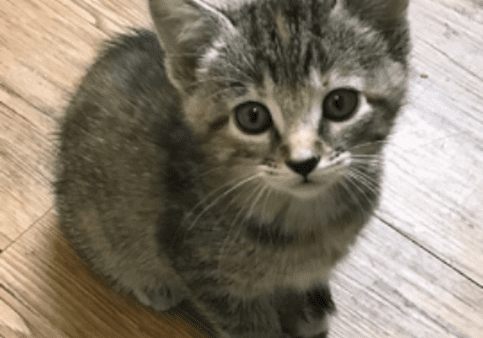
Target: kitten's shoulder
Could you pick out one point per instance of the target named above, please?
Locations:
(127, 85)
(133, 48)
(131, 62)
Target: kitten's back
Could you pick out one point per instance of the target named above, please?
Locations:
(117, 139)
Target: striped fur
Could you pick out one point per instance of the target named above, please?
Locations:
(165, 190)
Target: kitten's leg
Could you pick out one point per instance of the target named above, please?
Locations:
(305, 315)
(236, 317)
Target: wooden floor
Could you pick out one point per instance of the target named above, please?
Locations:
(417, 271)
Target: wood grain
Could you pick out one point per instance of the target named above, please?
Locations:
(417, 270)
(391, 288)
(24, 172)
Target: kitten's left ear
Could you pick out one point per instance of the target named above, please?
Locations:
(390, 18)
(185, 29)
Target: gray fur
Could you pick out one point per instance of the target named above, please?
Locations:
(161, 192)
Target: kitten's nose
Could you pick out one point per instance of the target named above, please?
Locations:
(304, 167)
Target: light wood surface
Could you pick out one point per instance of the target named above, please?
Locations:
(416, 271)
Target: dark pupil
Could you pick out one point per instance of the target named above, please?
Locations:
(338, 102)
(253, 115)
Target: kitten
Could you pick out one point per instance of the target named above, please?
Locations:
(235, 165)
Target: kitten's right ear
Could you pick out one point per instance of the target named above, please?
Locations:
(385, 14)
(185, 29)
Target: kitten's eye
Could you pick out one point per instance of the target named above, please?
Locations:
(340, 104)
(253, 117)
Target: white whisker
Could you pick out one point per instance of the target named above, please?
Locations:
(210, 194)
(357, 179)
(368, 144)
(217, 199)
(350, 192)
(234, 224)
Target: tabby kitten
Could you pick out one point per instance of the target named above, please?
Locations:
(233, 162)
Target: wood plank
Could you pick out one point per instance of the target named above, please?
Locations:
(388, 287)
(47, 45)
(434, 187)
(12, 322)
(44, 51)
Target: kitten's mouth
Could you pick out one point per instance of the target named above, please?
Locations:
(307, 188)
(299, 186)
(307, 183)
(306, 180)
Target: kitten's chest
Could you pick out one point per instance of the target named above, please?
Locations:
(256, 269)
(257, 261)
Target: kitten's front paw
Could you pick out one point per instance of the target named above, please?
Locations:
(160, 299)
(314, 323)
(306, 316)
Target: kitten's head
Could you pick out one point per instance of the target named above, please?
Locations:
(289, 98)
